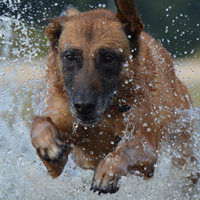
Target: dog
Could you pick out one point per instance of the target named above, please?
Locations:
(111, 95)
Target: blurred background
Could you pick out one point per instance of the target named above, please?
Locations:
(174, 23)
(23, 56)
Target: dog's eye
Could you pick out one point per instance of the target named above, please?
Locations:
(109, 59)
(70, 57)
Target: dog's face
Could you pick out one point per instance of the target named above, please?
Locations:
(92, 48)
(92, 54)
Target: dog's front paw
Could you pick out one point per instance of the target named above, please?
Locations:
(46, 139)
(108, 173)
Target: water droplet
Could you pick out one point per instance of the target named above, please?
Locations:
(72, 145)
(123, 100)
(151, 84)
(145, 125)
(148, 129)
(137, 172)
(150, 195)
(126, 64)
(131, 57)
(130, 80)
(115, 92)
(121, 50)
(129, 195)
(111, 174)
(75, 126)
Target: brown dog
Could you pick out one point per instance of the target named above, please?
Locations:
(112, 93)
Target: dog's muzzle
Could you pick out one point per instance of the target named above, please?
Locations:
(88, 111)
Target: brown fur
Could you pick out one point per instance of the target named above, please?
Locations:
(120, 142)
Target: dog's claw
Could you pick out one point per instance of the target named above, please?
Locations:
(95, 188)
(114, 189)
(46, 157)
(100, 191)
(102, 187)
(64, 148)
(92, 187)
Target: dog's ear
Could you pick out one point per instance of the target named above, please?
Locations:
(71, 11)
(127, 14)
(54, 30)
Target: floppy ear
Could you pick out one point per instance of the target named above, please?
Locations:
(127, 14)
(54, 30)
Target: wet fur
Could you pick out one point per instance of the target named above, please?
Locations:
(115, 143)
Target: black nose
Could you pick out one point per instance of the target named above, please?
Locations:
(84, 108)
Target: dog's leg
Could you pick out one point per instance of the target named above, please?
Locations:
(49, 145)
(137, 157)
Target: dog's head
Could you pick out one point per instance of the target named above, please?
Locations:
(91, 50)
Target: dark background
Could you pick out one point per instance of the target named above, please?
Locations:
(176, 24)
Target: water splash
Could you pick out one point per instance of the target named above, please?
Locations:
(23, 172)
(75, 127)
(23, 46)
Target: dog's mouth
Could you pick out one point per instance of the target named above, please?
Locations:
(87, 117)
(87, 121)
